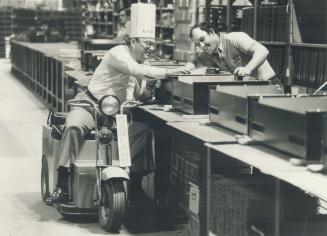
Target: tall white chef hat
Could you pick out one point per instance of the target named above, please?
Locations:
(143, 20)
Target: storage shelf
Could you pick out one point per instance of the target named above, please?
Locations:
(274, 43)
(102, 23)
(164, 9)
(18, 20)
(167, 27)
(167, 44)
(165, 31)
(309, 45)
(101, 11)
(42, 71)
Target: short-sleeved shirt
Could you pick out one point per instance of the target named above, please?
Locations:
(119, 74)
(235, 50)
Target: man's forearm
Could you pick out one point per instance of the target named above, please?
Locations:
(259, 56)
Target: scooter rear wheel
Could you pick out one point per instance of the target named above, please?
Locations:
(113, 205)
(44, 179)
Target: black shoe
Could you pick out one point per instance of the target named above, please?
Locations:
(58, 196)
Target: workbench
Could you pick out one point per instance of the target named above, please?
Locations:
(275, 164)
(175, 132)
(192, 143)
(155, 116)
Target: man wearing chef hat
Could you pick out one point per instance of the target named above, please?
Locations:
(122, 74)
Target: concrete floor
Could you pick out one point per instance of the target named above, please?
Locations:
(22, 210)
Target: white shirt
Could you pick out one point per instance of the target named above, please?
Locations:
(118, 73)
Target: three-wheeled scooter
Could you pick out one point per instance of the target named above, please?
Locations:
(99, 177)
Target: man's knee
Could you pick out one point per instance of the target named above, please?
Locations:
(74, 131)
(80, 118)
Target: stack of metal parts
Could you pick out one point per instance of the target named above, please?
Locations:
(244, 205)
(191, 93)
(296, 125)
(163, 88)
(228, 103)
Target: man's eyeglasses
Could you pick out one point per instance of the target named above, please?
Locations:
(148, 45)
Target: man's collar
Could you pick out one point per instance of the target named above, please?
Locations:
(220, 46)
(219, 49)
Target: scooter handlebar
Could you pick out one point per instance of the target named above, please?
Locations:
(81, 103)
(129, 104)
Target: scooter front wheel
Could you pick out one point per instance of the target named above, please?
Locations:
(113, 205)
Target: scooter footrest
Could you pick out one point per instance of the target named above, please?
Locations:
(72, 209)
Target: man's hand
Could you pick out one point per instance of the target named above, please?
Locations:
(178, 70)
(190, 65)
(242, 71)
(145, 96)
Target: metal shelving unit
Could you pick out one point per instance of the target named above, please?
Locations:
(41, 67)
(277, 27)
(98, 15)
(165, 29)
(6, 29)
(73, 25)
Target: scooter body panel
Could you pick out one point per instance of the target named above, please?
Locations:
(50, 150)
(83, 183)
(83, 178)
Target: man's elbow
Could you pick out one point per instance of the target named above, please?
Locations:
(260, 51)
(265, 52)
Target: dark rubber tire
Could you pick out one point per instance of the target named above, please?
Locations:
(45, 193)
(113, 205)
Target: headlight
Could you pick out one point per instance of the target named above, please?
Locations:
(109, 105)
(105, 136)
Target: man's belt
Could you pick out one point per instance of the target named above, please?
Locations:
(90, 95)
